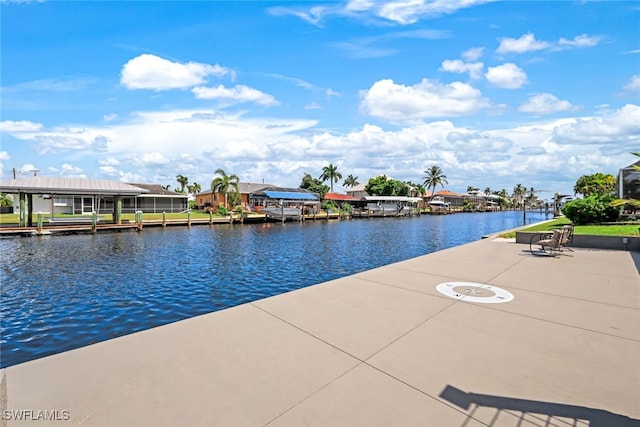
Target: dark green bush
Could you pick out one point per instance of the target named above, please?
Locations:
(590, 210)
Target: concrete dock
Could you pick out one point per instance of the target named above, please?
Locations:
(380, 348)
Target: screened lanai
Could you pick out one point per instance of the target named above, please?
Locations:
(63, 195)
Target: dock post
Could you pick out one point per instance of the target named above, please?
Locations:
(139, 220)
(189, 219)
(210, 218)
(23, 209)
(39, 228)
(164, 219)
(94, 222)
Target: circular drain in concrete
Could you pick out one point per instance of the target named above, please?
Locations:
(474, 292)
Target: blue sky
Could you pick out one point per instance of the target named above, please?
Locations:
(495, 93)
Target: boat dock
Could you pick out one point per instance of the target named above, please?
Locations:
(483, 334)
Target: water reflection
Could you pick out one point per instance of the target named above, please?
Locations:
(64, 292)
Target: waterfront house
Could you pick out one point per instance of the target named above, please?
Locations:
(629, 182)
(357, 191)
(339, 199)
(209, 199)
(454, 200)
(65, 195)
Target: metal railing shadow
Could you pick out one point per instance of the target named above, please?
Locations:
(545, 412)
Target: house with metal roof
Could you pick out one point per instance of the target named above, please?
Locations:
(80, 196)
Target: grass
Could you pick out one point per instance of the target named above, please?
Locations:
(15, 218)
(590, 230)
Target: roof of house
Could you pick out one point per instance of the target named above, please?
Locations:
(340, 197)
(632, 165)
(359, 187)
(448, 193)
(243, 188)
(66, 185)
(157, 190)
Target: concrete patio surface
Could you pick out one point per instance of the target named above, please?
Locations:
(379, 348)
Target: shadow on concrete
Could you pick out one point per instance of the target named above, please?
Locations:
(522, 410)
(635, 256)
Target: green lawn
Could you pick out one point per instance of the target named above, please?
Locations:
(591, 230)
(15, 218)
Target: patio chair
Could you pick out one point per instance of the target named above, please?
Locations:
(553, 243)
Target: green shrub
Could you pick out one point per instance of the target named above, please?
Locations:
(590, 210)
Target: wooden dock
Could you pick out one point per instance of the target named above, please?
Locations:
(68, 227)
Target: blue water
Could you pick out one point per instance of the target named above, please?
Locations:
(63, 292)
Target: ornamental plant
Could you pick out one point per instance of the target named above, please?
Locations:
(590, 210)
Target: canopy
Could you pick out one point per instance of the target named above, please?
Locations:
(286, 195)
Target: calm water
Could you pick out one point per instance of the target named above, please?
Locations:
(65, 292)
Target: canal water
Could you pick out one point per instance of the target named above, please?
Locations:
(63, 292)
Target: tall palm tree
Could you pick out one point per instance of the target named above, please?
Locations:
(222, 184)
(434, 177)
(183, 181)
(330, 173)
(351, 181)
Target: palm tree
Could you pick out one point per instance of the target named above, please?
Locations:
(434, 177)
(351, 181)
(183, 181)
(518, 193)
(194, 188)
(222, 184)
(330, 173)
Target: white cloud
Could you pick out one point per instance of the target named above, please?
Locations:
(621, 127)
(582, 40)
(402, 12)
(634, 84)
(153, 146)
(10, 126)
(331, 93)
(427, 99)
(457, 66)
(109, 161)
(4, 156)
(507, 76)
(153, 159)
(110, 117)
(545, 103)
(70, 170)
(410, 11)
(236, 94)
(152, 72)
(528, 43)
(473, 54)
